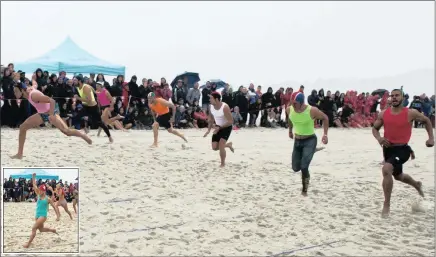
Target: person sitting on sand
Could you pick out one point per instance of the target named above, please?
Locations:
(41, 211)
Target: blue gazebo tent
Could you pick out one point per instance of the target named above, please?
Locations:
(40, 174)
(69, 57)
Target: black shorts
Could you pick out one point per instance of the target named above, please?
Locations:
(223, 133)
(397, 156)
(164, 120)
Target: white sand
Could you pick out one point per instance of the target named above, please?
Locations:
(19, 219)
(170, 201)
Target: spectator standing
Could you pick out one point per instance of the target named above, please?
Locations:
(144, 90)
(267, 102)
(179, 92)
(205, 100)
(194, 94)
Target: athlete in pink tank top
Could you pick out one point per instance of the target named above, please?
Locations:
(47, 112)
(103, 96)
(397, 121)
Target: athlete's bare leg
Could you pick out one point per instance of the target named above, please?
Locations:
(155, 134)
(387, 184)
(39, 224)
(407, 179)
(60, 124)
(65, 206)
(74, 205)
(177, 133)
(31, 122)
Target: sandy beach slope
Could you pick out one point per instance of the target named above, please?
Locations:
(176, 201)
(19, 219)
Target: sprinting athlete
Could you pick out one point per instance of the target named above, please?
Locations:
(397, 121)
(75, 199)
(41, 211)
(46, 112)
(220, 114)
(301, 120)
(160, 110)
(86, 96)
(114, 121)
(62, 202)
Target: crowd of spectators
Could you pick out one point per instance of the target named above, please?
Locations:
(250, 105)
(21, 190)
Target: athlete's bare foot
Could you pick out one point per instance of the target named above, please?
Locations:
(319, 149)
(386, 210)
(184, 138)
(222, 165)
(304, 193)
(54, 231)
(154, 146)
(230, 146)
(17, 156)
(57, 219)
(26, 245)
(111, 140)
(87, 139)
(419, 188)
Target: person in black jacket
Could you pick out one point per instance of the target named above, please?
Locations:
(242, 102)
(313, 99)
(326, 107)
(117, 88)
(267, 102)
(133, 88)
(205, 100)
(226, 96)
(144, 89)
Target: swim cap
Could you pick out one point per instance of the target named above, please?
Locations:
(151, 95)
(42, 187)
(298, 97)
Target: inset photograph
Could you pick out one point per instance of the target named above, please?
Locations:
(40, 210)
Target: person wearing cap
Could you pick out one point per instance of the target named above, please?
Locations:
(221, 116)
(46, 112)
(90, 105)
(41, 211)
(160, 110)
(301, 121)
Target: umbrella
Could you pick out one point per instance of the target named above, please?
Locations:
(379, 92)
(40, 174)
(218, 82)
(189, 77)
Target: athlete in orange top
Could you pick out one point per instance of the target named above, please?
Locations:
(160, 109)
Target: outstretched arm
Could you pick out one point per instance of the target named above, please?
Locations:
(228, 116)
(319, 115)
(415, 115)
(288, 110)
(378, 124)
(35, 187)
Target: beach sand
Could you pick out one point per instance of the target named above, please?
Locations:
(176, 200)
(19, 219)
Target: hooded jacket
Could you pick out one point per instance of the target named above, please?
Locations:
(133, 87)
(313, 99)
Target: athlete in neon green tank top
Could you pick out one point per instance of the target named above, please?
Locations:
(301, 120)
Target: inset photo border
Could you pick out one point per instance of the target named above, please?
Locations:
(44, 212)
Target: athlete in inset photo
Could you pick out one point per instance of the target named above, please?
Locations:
(397, 121)
(160, 110)
(46, 112)
(62, 202)
(90, 106)
(301, 121)
(221, 116)
(75, 199)
(41, 211)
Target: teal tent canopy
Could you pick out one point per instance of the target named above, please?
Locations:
(69, 57)
(40, 174)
